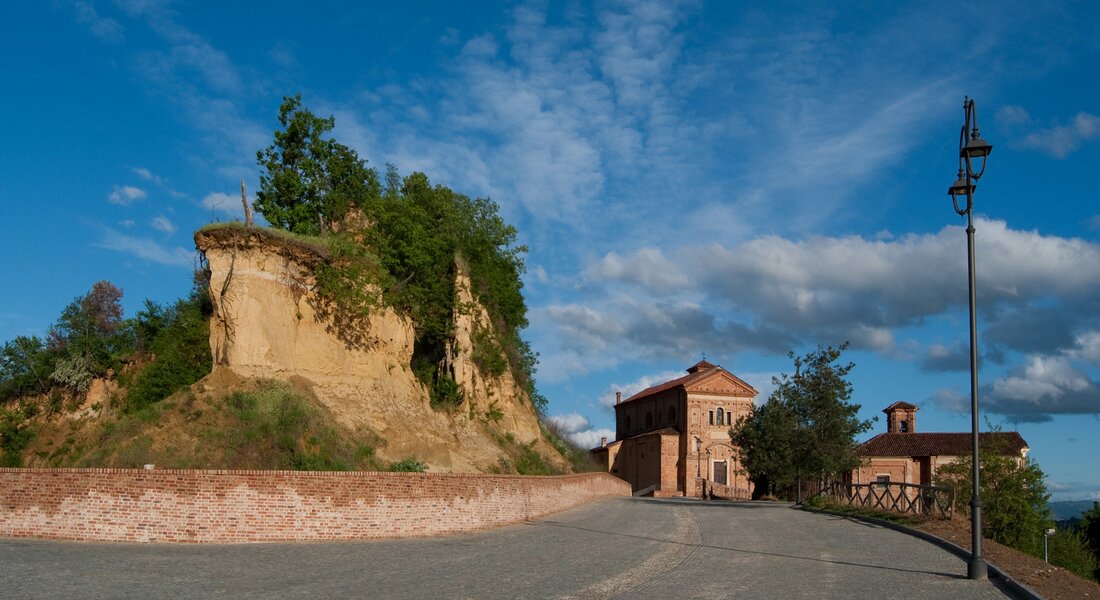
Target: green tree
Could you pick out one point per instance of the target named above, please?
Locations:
(25, 367)
(89, 336)
(180, 343)
(765, 437)
(310, 181)
(807, 428)
(1090, 530)
(1014, 496)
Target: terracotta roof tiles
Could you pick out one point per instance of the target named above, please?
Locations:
(938, 444)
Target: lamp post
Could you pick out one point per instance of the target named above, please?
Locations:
(972, 148)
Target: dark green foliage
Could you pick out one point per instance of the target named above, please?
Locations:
(1014, 496)
(414, 233)
(446, 393)
(530, 462)
(409, 465)
(90, 337)
(179, 339)
(310, 180)
(25, 367)
(1090, 531)
(1069, 550)
(807, 428)
(15, 435)
(765, 438)
(487, 354)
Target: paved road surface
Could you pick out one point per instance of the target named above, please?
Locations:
(621, 548)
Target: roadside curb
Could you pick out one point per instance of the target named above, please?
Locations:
(1022, 590)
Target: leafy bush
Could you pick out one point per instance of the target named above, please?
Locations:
(1069, 550)
(15, 435)
(409, 465)
(180, 341)
(1014, 496)
(25, 367)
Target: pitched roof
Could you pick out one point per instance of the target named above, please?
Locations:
(901, 405)
(697, 372)
(938, 444)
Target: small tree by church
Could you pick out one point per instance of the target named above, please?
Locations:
(807, 428)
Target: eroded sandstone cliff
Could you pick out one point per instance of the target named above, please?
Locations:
(269, 322)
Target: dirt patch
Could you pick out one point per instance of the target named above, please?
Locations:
(1048, 580)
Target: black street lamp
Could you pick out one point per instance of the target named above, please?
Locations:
(972, 148)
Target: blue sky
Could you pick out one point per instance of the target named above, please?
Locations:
(692, 178)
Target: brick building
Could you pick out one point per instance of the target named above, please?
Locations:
(902, 455)
(673, 433)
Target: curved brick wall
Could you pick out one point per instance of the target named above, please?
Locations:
(164, 505)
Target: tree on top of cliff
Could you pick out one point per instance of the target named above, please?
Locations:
(310, 180)
(414, 230)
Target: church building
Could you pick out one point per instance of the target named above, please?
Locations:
(904, 455)
(673, 438)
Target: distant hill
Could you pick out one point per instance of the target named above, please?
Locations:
(1069, 509)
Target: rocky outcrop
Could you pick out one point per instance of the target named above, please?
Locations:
(270, 323)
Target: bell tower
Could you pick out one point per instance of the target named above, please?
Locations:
(901, 417)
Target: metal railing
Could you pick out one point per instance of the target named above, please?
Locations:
(926, 500)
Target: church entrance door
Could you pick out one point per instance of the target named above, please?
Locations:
(720, 472)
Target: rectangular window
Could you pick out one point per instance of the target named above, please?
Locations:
(712, 417)
(882, 479)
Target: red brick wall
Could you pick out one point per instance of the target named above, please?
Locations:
(165, 505)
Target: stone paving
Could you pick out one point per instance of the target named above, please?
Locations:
(622, 548)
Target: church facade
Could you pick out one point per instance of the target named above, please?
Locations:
(673, 438)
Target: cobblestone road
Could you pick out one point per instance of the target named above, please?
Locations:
(621, 548)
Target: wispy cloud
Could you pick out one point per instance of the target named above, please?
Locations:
(226, 204)
(1061, 140)
(161, 223)
(104, 28)
(1058, 140)
(146, 249)
(151, 177)
(125, 195)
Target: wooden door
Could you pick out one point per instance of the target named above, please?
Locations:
(720, 472)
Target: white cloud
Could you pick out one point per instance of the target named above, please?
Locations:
(224, 203)
(152, 177)
(590, 438)
(146, 249)
(104, 28)
(569, 423)
(161, 223)
(633, 387)
(647, 267)
(772, 294)
(1061, 140)
(1012, 115)
(124, 195)
(1041, 387)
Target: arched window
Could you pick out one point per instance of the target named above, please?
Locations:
(904, 426)
(648, 420)
(721, 416)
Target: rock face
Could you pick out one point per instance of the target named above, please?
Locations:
(267, 325)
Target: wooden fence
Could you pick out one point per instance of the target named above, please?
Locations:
(926, 500)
